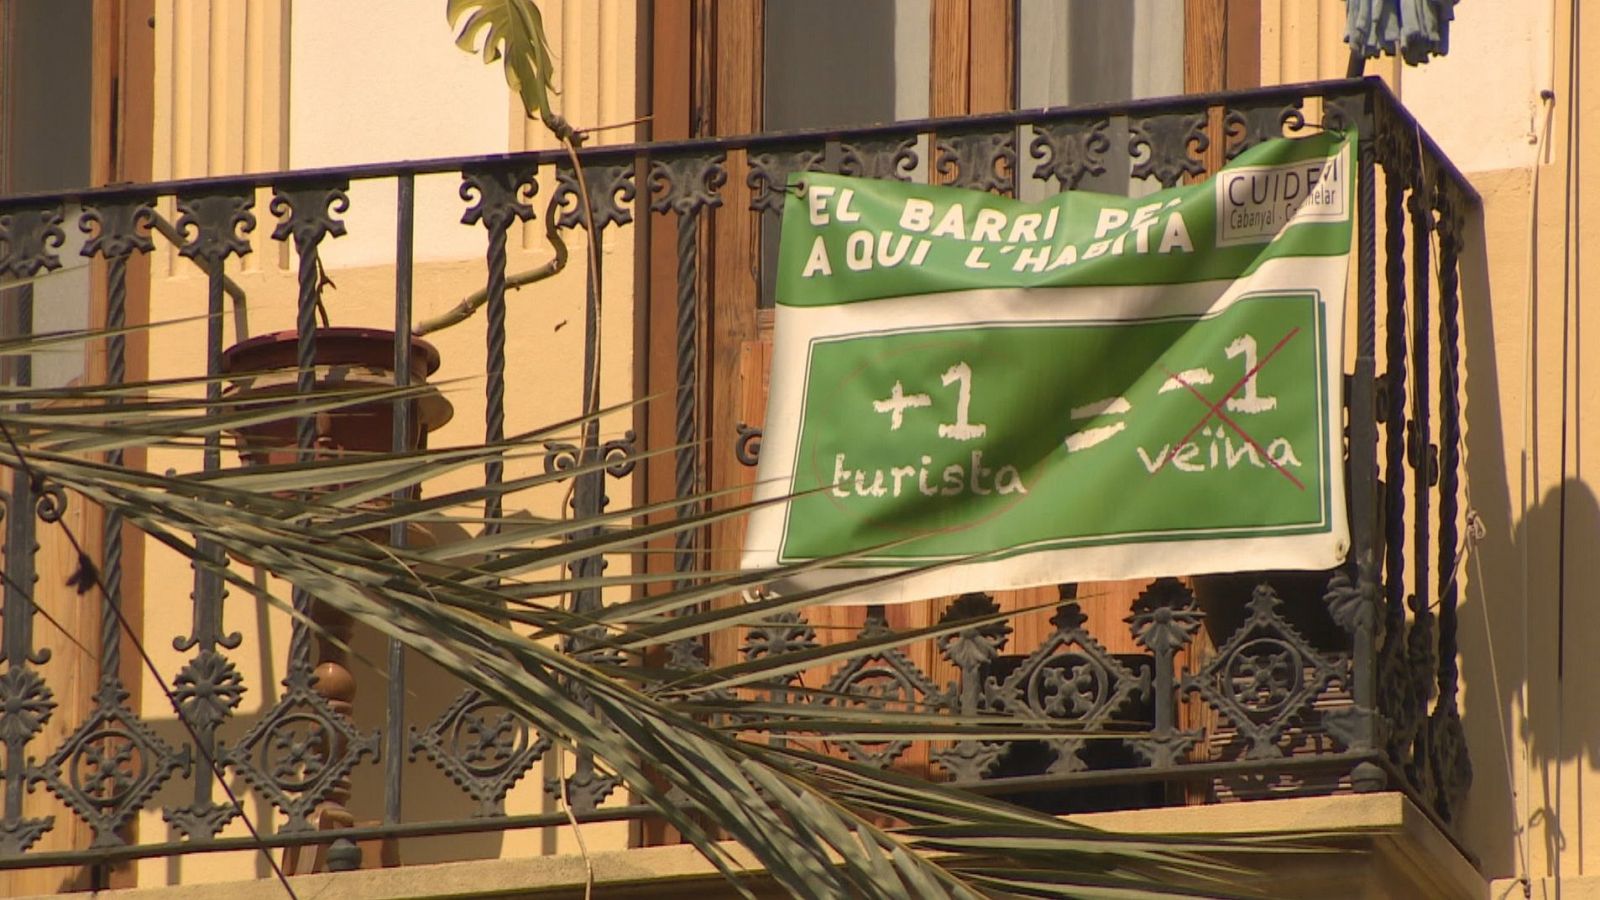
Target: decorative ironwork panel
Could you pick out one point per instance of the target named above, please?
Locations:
(1070, 151)
(972, 650)
(688, 184)
(111, 766)
(1070, 677)
(779, 635)
(768, 178)
(113, 763)
(1263, 678)
(215, 226)
(887, 158)
(1346, 112)
(499, 197)
(880, 680)
(1247, 126)
(1165, 620)
(1354, 607)
(747, 446)
(26, 704)
(300, 751)
(29, 239)
(118, 229)
(610, 190)
(1168, 147)
(980, 160)
(483, 747)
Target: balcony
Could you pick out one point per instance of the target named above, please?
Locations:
(1189, 692)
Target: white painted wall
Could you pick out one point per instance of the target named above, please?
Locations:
(382, 80)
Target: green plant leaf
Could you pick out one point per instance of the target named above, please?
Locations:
(513, 31)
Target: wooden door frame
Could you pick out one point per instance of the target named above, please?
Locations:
(704, 65)
(121, 140)
(705, 68)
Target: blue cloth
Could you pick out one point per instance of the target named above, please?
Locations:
(1411, 29)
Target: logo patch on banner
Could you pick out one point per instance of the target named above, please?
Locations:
(1086, 388)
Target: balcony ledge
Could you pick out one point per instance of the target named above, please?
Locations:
(1405, 856)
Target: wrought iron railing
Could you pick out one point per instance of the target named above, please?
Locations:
(1282, 683)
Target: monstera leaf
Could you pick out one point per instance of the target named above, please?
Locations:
(513, 31)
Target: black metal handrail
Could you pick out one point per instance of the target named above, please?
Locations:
(1367, 697)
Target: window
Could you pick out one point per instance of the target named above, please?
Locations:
(45, 144)
(839, 63)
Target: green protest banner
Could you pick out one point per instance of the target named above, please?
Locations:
(1085, 388)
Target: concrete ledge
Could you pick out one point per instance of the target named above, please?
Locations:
(1378, 846)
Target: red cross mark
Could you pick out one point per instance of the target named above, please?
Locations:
(1215, 409)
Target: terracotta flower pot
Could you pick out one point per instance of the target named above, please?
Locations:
(264, 366)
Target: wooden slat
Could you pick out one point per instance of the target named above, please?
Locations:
(656, 308)
(1205, 36)
(1242, 62)
(949, 57)
(991, 57)
(736, 241)
(1205, 51)
(69, 623)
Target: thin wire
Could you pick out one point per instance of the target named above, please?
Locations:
(86, 567)
(1573, 213)
(1518, 829)
(1529, 464)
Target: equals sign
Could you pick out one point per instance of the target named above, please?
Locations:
(1089, 437)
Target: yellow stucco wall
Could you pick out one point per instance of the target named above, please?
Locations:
(273, 85)
(1529, 587)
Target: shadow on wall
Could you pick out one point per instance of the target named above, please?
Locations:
(1523, 679)
(1562, 725)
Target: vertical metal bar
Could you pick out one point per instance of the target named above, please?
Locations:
(306, 212)
(588, 500)
(208, 592)
(1449, 446)
(495, 376)
(1452, 773)
(1364, 434)
(686, 432)
(212, 224)
(1421, 403)
(305, 384)
(111, 535)
(688, 184)
(1395, 379)
(405, 227)
(589, 491)
(16, 616)
(501, 200)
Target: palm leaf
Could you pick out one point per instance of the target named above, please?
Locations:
(673, 737)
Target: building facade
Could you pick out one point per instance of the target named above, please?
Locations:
(157, 91)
